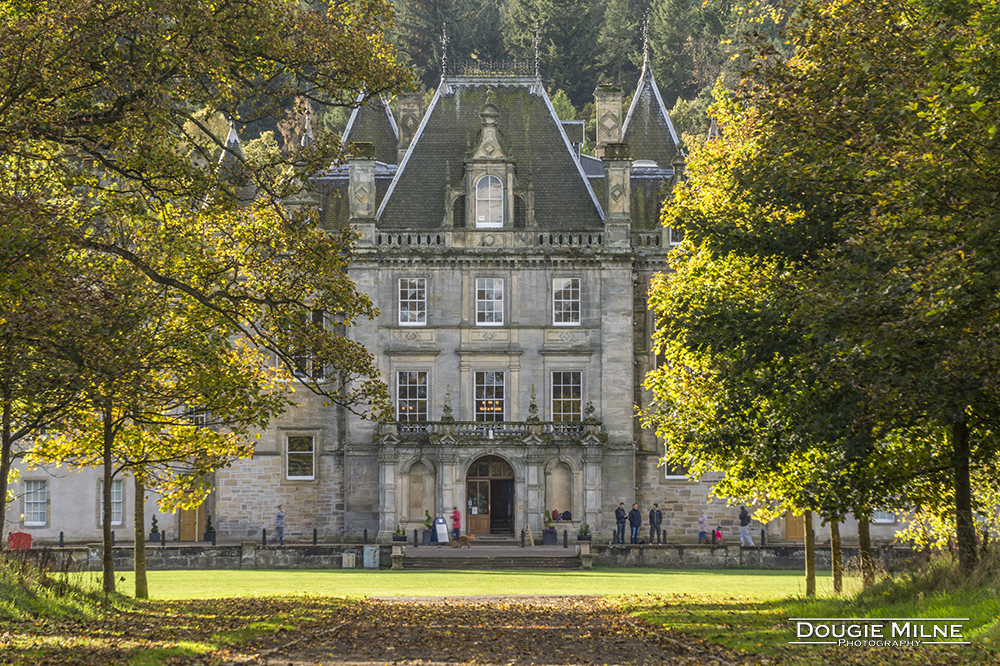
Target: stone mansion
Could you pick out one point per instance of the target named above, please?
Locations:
(511, 274)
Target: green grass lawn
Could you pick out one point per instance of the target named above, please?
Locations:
(750, 585)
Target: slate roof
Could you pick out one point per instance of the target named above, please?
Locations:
(531, 135)
(647, 128)
(372, 122)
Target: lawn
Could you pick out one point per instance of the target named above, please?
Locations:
(749, 585)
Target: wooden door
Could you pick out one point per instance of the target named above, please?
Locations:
(191, 523)
(795, 527)
(478, 506)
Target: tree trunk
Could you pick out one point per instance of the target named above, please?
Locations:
(865, 548)
(107, 555)
(965, 528)
(810, 556)
(837, 563)
(6, 443)
(141, 586)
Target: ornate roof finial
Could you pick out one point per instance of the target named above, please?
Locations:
(537, 42)
(444, 50)
(645, 39)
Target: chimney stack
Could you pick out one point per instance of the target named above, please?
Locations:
(608, 100)
(361, 190)
(411, 109)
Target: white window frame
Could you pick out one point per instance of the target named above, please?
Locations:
(117, 505)
(489, 308)
(675, 236)
(306, 364)
(559, 286)
(883, 517)
(577, 415)
(491, 203)
(485, 381)
(410, 407)
(36, 501)
(408, 316)
(310, 453)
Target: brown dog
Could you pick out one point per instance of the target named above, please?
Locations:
(463, 540)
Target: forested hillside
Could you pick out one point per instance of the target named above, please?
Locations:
(583, 43)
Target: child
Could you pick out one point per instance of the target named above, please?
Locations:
(717, 536)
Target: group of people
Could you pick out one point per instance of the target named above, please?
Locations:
(634, 520)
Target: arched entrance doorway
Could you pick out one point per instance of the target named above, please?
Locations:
(490, 496)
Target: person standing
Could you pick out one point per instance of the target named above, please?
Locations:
(456, 523)
(702, 528)
(279, 526)
(745, 538)
(620, 521)
(635, 522)
(655, 523)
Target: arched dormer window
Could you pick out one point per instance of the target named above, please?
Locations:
(489, 203)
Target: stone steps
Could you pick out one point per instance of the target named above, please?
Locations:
(491, 563)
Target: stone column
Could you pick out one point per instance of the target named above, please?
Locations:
(592, 498)
(387, 477)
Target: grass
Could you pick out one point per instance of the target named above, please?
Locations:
(761, 627)
(743, 610)
(744, 584)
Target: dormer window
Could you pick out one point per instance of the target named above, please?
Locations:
(489, 203)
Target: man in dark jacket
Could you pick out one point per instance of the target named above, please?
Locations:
(620, 521)
(635, 522)
(655, 521)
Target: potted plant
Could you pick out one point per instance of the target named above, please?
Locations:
(428, 528)
(209, 528)
(584, 533)
(154, 531)
(399, 535)
(549, 535)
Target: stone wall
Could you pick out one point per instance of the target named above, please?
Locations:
(732, 556)
(245, 556)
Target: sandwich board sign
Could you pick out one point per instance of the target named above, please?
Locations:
(441, 529)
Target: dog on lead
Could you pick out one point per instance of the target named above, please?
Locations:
(464, 540)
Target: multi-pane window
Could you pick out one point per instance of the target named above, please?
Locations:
(412, 301)
(567, 396)
(489, 202)
(489, 302)
(489, 403)
(676, 236)
(305, 361)
(35, 497)
(411, 396)
(883, 516)
(300, 461)
(117, 502)
(566, 301)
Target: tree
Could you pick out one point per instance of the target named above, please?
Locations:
(106, 152)
(874, 211)
(472, 26)
(567, 32)
(619, 43)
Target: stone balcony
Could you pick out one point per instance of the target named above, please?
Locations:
(590, 431)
